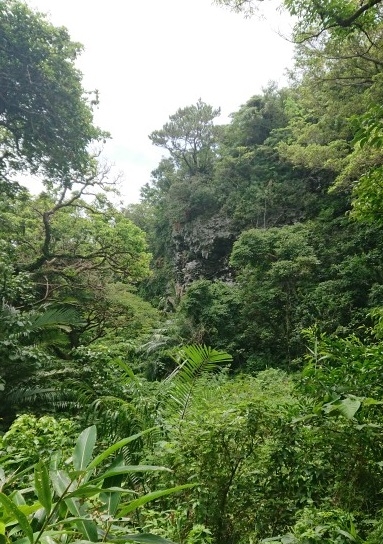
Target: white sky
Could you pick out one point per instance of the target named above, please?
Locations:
(148, 58)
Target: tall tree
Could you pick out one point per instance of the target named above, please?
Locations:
(73, 251)
(274, 266)
(46, 121)
(255, 185)
(190, 137)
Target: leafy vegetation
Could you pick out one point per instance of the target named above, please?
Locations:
(80, 503)
(223, 337)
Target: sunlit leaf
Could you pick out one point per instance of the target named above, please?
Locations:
(136, 503)
(115, 447)
(83, 450)
(19, 516)
(42, 486)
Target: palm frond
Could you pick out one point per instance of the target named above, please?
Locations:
(196, 361)
(54, 317)
(41, 399)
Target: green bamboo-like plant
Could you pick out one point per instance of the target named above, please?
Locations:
(85, 503)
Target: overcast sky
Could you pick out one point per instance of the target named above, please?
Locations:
(148, 58)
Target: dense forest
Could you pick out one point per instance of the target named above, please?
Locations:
(204, 366)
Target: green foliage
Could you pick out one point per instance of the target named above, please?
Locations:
(78, 235)
(376, 535)
(84, 501)
(210, 311)
(171, 524)
(15, 289)
(109, 394)
(194, 362)
(46, 119)
(254, 185)
(84, 255)
(254, 122)
(31, 439)
(274, 267)
(225, 442)
(321, 527)
(180, 191)
(340, 16)
(342, 376)
(190, 137)
(121, 402)
(368, 196)
(312, 19)
(29, 342)
(269, 454)
(342, 366)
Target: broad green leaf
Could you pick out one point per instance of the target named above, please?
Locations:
(127, 469)
(118, 445)
(83, 450)
(368, 426)
(18, 498)
(348, 407)
(62, 485)
(303, 418)
(346, 534)
(371, 402)
(91, 491)
(50, 533)
(86, 527)
(112, 499)
(61, 482)
(84, 491)
(67, 521)
(78, 541)
(47, 539)
(19, 516)
(128, 371)
(23, 540)
(28, 509)
(42, 486)
(136, 503)
(285, 539)
(2, 478)
(288, 539)
(89, 529)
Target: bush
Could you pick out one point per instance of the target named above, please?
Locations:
(31, 439)
(225, 443)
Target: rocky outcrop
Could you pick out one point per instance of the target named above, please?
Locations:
(201, 249)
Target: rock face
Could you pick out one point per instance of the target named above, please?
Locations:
(201, 249)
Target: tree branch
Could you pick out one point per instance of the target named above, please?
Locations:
(348, 21)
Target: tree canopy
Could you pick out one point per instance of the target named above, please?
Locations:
(46, 120)
(315, 18)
